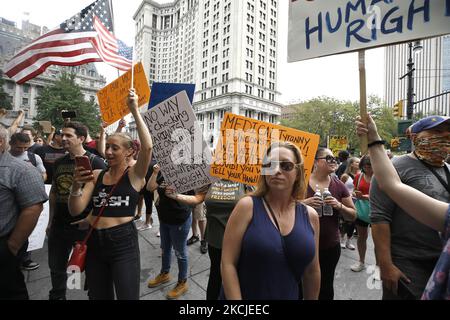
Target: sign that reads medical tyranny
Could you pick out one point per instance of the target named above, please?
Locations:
(243, 144)
(322, 27)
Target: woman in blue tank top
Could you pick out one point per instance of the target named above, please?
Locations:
(271, 239)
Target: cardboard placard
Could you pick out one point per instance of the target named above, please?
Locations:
(337, 143)
(243, 144)
(113, 97)
(179, 147)
(46, 126)
(321, 27)
(8, 118)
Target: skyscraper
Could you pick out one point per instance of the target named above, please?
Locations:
(228, 48)
(431, 76)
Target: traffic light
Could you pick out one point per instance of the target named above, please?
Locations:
(397, 110)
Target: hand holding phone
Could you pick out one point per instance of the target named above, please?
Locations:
(83, 161)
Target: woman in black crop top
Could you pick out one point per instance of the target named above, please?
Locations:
(113, 258)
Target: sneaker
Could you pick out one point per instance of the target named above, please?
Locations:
(158, 234)
(343, 245)
(203, 246)
(144, 227)
(159, 280)
(180, 289)
(348, 245)
(358, 267)
(193, 240)
(30, 265)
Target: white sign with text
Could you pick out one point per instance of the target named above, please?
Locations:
(322, 27)
(179, 146)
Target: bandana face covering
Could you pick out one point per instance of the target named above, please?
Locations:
(433, 150)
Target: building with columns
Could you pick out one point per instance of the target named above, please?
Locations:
(431, 76)
(12, 40)
(228, 48)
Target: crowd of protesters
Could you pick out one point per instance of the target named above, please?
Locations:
(278, 241)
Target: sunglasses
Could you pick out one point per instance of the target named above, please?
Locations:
(284, 165)
(328, 159)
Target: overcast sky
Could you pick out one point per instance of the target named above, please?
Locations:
(335, 76)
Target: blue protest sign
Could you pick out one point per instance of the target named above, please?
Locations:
(163, 91)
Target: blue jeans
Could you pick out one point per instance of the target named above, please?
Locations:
(175, 236)
(113, 263)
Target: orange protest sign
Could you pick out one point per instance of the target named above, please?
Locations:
(113, 97)
(243, 144)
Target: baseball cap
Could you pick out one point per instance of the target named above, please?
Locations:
(428, 123)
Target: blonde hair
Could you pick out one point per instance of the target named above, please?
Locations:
(127, 140)
(299, 189)
(351, 161)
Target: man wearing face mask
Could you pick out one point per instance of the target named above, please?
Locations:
(407, 250)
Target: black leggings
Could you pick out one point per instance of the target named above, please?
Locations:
(113, 263)
(328, 260)
(215, 277)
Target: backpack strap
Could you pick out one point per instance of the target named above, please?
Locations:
(32, 158)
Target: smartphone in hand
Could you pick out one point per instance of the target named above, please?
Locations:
(83, 161)
(404, 291)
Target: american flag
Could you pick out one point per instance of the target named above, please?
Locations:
(69, 45)
(111, 50)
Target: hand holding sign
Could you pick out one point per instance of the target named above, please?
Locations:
(132, 101)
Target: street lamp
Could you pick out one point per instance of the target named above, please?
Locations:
(413, 48)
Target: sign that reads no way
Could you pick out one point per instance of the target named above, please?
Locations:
(322, 27)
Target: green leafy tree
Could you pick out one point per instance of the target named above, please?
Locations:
(65, 94)
(4, 99)
(327, 116)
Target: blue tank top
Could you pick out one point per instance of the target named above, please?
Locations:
(263, 269)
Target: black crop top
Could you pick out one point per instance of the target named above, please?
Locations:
(123, 201)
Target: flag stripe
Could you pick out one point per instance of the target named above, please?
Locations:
(67, 63)
(46, 54)
(28, 56)
(108, 48)
(116, 62)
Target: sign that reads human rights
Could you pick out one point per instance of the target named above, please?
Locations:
(243, 144)
(322, 27)
(179, 147)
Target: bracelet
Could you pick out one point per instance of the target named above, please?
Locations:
(79, 193)
(376, 142)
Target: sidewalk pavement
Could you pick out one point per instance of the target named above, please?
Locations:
(348, 285)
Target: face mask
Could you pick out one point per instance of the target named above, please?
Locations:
(433, 150)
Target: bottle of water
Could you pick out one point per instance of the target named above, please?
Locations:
(327, 209)
(319, 196)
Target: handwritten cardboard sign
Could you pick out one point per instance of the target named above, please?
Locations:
(243, 144)
(337, 143)
(113, 97)
(8, 117)
(322, 27)
(179, 147)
